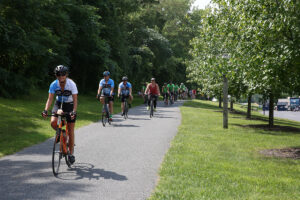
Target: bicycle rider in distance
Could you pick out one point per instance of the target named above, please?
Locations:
(125, 91)
(63, 84)
(106, 89)
(171, 90)
(152, 90)
(165, 91)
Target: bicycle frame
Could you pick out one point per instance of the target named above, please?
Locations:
(64, 148)
(63, 138)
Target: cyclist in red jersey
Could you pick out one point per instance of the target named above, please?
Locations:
(152, 90)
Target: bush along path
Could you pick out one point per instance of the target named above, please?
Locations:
(244, 162)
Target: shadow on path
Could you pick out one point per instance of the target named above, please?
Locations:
(88, 171)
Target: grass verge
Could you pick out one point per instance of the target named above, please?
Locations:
(207, 162)
(21, 124)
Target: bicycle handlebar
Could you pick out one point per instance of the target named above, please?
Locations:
(62, 115)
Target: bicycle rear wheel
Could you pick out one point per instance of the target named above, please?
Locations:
(56, 154)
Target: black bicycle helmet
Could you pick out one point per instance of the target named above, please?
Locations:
(106, 73)
(124, 78)
(61, 69)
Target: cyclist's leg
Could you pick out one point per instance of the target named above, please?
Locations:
(154, 100)
(111, 105)
(68, 107)
(71, 127)
(130, 99)
(122, 103)
(167, 97)
(149, 98)
(54, 122)
(102, 99)
(54, 118)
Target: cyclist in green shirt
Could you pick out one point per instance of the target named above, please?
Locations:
(171, 91)
(181, 90)
(165, 93)
(143, 93)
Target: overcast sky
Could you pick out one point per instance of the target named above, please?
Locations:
(200, 4)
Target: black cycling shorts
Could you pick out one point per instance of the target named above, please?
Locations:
(123, 97)
(109, 98)
(67, 107)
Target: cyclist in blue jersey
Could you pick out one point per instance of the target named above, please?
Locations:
(66, 86)
(106, 89)
(125, 91)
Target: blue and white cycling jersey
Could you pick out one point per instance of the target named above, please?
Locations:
(125, 88)
(70, 88)
(107, 86)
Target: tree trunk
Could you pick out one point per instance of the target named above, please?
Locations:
(220, 101)
(225, 102)
(249, 106)
(231, 104)
(271, 110)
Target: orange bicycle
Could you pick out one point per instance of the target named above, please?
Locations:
(61, 142)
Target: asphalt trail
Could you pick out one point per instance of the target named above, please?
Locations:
(120, 161)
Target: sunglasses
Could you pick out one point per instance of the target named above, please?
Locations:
(61, 74)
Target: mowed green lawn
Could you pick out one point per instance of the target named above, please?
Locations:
(207, 162)
(21, 124)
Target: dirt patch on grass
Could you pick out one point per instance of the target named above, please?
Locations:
(293, 153)
(274, 128)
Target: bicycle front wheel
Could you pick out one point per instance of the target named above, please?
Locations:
(56, 154)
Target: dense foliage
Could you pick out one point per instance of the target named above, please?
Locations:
(140, 39)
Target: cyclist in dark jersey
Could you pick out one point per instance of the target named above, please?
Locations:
(152, 90)
(66, 85)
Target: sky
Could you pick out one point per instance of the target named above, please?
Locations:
(200, 3)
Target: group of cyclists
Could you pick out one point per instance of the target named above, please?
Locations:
(66, 93)
(170, 92)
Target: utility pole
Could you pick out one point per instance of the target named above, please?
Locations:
(225, 102)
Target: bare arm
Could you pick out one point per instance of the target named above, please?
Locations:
(75, 102)
(99, 90)
(119, 91)
(49, 101)
(111, 91)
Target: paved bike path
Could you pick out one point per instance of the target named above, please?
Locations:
(120, 161)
